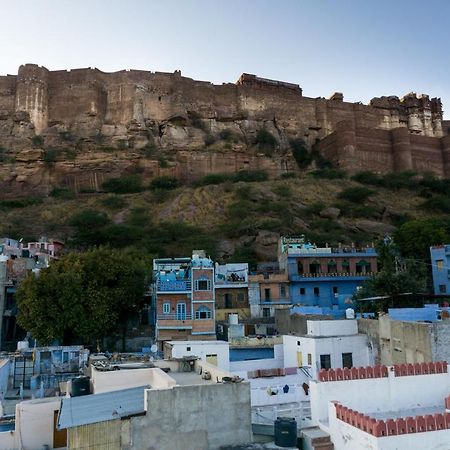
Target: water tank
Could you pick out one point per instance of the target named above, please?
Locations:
(80, 386)
(286, 432)
(23, 346)
(349, 313)
(233, 319)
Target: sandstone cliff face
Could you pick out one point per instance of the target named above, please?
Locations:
(101, 125)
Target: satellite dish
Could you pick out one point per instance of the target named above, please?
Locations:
(154, 348)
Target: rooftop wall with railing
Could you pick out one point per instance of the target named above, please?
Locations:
(394, 426)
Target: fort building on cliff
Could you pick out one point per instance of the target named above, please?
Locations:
(135, 106)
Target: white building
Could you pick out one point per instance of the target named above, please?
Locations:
(328, 344)
(213, 352)
(384, 408)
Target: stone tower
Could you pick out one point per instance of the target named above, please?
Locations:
(32, 94)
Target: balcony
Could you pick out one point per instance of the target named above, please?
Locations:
(180, 317)
(330, 276)
(173, 286)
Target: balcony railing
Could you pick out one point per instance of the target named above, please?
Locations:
(173, 286)
(334, 274)
(174, 317)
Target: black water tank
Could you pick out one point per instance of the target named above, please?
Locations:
(286, 432)
(80, 386)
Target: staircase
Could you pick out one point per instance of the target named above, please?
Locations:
(316, 439)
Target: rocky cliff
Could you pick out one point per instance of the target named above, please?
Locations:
(80, 127)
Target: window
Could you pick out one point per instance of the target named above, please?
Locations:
(440, 264)
(299, 267)
(203, 285)
(302, 291)
(203, 313)
(314, 267)
(240, 297)
(188, 349)
(267, 295)
(266, 312)
(335, 290)
(347, 360)
(316, 291)
(325, 361)
(345, 266)
(228, 300)
(309, 359)
(282, 291)
(332, 266)
(442, 288)
(166, 308)
(362, 267)
(298, 342)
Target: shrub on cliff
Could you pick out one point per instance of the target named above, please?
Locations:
(38, 140)
(356, 194)
(20, 202)
(251, 175)
(51, 155)
(228, 135)
(62, 193)
(367, 177)
(300, 153)
(265, 141)
(124, 185)
(214, 178)
(164, 183)
(329, 174)
(439, 203)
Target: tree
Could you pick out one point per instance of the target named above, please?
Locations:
(82, 297)
(414, 238)
(396, 275)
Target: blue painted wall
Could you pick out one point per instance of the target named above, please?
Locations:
(440, 265)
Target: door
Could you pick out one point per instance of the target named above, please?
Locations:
(181, 311)
(211, 359)
(59, 436)
(299, 359)
(23, 371)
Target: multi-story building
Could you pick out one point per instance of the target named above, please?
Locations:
(326, 277)
(184, 299)
(440, 267)
(267, 288)
(231, 288)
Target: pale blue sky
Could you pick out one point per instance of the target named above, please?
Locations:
(364, 48)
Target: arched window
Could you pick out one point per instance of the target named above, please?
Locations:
(332, 266)
(314, 267)
(362, 266)
(203, 313)
(345, 266)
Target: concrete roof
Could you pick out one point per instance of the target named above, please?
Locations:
(198, 342)
(76, 411)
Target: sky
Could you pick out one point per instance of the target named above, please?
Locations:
(363, 48)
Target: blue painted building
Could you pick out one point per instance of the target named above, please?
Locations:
(326, 277)
(429, 313)
(440, 264)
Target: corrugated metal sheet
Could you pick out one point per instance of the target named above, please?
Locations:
(88, 409)
(98, 436)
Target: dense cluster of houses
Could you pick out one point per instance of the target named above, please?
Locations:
(232, 351)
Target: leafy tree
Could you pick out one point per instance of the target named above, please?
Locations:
(124, 185)
(89, 225)
(82, 297)
(396, 275)
(414, 238)
(356, 194)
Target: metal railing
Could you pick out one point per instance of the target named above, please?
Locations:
(173, 286)
(174, 316)
(335, 274)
